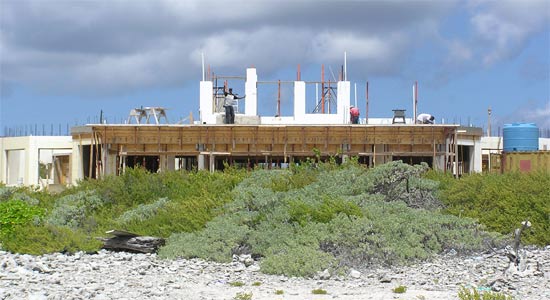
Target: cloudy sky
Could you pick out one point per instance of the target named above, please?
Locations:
(65, 61)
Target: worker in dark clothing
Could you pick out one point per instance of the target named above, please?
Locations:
(229, 105)
(354, 114)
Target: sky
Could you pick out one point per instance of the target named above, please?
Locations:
(65, 62)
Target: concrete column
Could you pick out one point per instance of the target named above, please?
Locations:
(206, 108)
(77, 172)
(167, 163)
(343, 101)
(476, 157)
(110, 161)
(299, 101)
(201, 162)
(212, 166)
(31, 177)
(251, 92)
(170, 163)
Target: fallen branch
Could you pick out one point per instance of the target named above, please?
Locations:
(131, 242)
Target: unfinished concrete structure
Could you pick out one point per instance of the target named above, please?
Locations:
(35, 160)
(103, 149)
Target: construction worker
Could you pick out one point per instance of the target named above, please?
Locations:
(229, 105)
(425, 119)
(354, 114)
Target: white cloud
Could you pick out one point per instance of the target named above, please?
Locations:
(112, 46)
(529, 112)
(459, 52)
(505, 26)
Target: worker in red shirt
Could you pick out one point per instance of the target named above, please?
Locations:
(354, 114)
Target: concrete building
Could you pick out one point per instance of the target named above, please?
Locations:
(98, 150)
(35, 160)
(272, 141)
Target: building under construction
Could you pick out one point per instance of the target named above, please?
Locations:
(270, 142)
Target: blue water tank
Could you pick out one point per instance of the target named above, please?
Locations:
(521, 137)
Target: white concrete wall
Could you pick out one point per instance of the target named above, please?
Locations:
(494, 144)
(31, 146)
(206, 108)
(251, 93)
(343, 101)
(476, 157)
(299, 101)
(300, 116)
(544, 144)
(491, 144)
(77, 170)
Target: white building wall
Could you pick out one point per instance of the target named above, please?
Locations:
(31, 146)
(544, 144)
(299, 101)
(206, 107)
(343, 101)
(300, 116)
(251, 93)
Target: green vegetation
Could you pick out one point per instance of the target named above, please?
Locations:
(256, 283)
(138, 201)
(279, 292)
(236, 283)
(466, 294)
(319, 292)
(399, 289)
(15, 213)
(243, 296)
(299, 221)
(343, 216)
(501, 201)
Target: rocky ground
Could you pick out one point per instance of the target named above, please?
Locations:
(111, 275)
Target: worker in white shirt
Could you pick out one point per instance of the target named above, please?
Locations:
(229, 104)
(425, 119)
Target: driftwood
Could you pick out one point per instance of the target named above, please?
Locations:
(131, 242)
(514, 253)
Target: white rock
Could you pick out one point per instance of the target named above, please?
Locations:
(324, 275)
(354, 273)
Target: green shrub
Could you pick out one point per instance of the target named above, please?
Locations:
(38, 240)
(322, 212)
(279, 292)
(501, 201)
(14, 213)
(392, 233)
(74, 210)
(236, 283)
(215, 242)
(399, 289)
(466, 294)
(297, 261)
(344, 216)
(243, 296)
(319, 292)
(143, 212)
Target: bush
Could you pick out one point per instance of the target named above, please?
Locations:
(14, 213)
(466, 294)
(502, 201)
(142, 212)
(215, 242)
(74, 210)
(345, 216)
(297, 261)
(38, 240)
(138, 201)
(399, 289)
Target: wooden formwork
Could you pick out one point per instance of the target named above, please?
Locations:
(264, 141)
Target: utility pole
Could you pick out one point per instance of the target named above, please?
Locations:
(489, 121)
